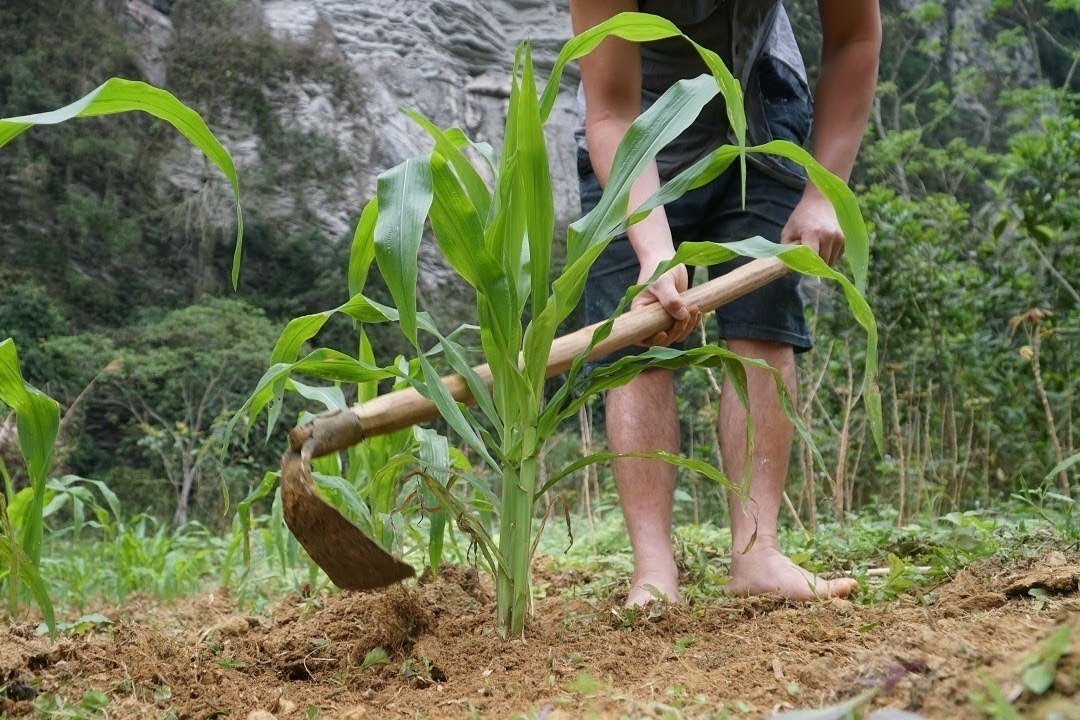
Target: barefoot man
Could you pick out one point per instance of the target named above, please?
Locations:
(755, 39)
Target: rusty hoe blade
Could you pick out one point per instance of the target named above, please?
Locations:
(351, 559)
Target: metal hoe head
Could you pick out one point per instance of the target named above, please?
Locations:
(351, 559)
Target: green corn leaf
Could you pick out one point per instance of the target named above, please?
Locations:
(642, 27)
(691, 464)
(435, 456)
(804, 260)
(459, 234)
(535, 177)
(116, 96)
(570, 285)
(359, 308)
(366, 354)
(37, 418)
(635, 27)
(328, 364)
(362, 251)
(457, 227)
(434, 389)
(856, 241)
(455, 354)
(652, 130)
(111, 500)
(243, 509)
(343, 496)
(657, 126)
(500, 323)
(1063, 466)
(292, 339)
(331, 397)
(322, 363)
(483, 149)
(449, 145)
(404, 195)
(538, 339)
(22, 570)
(627, 368)
(507, 231)
(60, 496)
(697, 175)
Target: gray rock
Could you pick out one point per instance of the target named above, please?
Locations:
(447, 59)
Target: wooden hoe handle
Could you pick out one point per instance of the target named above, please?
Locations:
(340, 429)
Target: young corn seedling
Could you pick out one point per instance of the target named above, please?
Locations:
(498, 236)
(366, 487)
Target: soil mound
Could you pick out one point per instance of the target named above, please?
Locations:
(430, 649)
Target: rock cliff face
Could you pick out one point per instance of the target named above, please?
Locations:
(448, 59)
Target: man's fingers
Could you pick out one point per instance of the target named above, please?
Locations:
(679, 330)
(672, 302)
(659, 338)
(682, 328)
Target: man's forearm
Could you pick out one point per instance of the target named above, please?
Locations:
(651, 237)
(842, 100)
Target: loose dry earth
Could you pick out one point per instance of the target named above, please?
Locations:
(729, 657)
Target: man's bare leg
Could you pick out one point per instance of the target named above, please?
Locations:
(763, 568)
(641, 417)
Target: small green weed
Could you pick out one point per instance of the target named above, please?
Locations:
(90, 705)
(228, 662)
(584, 684)
(1038, 669)
(991, 701)
(84, 624)
(1037, 672)
(684, 643)
(375, 657)
(905, 559)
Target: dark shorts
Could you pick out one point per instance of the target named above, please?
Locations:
(710, 213)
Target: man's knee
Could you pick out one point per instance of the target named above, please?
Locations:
(771, 351)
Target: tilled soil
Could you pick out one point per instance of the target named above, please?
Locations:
(926, 653)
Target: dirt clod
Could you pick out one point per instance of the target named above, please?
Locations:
(1051, 578)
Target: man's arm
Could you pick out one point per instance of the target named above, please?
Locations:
(611, 77)
(851, 43)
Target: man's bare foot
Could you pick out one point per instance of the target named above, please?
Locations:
(767, 570)
(648, 590)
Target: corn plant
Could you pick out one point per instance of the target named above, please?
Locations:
(366, 485)
(498, 236)
(22, 513)
(37, 415)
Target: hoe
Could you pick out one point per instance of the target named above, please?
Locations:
(351, 559)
